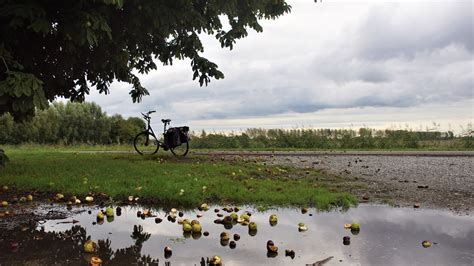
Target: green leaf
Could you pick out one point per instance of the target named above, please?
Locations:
(119, 3)
(39, 99)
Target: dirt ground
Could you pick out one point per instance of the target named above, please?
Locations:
(431, 179)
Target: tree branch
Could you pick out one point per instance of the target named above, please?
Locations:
(5, 62)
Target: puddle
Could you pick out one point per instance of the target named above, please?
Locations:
(388, 236)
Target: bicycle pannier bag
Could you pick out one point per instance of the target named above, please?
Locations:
(172, 137)
(184, 134)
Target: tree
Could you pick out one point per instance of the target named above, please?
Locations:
(51, 48)
(70, 123)
(56, 48)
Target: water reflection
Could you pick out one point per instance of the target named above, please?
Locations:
(39, 247)
(388, 236)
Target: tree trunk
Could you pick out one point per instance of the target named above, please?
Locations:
(3, 158)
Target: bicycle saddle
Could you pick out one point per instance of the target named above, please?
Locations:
(165, 120)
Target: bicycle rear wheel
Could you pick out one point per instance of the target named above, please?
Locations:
(181, 150)
(145, 143)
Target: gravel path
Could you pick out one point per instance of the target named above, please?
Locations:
(446, 182)
(432, 179)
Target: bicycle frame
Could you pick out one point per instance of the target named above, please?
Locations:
(149, 129)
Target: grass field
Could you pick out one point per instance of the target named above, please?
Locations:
(167, 180)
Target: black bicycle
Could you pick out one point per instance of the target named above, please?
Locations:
(176, 139)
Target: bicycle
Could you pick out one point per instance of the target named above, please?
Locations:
(175, 139)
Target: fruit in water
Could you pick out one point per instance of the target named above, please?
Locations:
(355, 227)
(187, 227)
(253, 226)
(196, 228)
(204, 207)
(215, 261)
(273, 218)
(302, 227)
(95, 261)
(168, 252)
(109, 212)
(90, 246)
(426, 244)
(245, 217)
(271, 248)
(224, 236)
(234, 216)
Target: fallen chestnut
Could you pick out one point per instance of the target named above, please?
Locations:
(224, 236)
(168, 252)
(236, 237)
(271, 248)
(426, 244)
(290, 253)
(346, 240)
(215, 261)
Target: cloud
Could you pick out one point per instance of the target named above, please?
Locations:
(394, 29)
(449, 116)
(320, 57)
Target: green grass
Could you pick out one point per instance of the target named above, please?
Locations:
(64, 148)
(159, 179)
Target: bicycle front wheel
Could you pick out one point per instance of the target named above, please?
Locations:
(180, 150)
(145, 143)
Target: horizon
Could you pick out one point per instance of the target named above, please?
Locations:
(433, 126)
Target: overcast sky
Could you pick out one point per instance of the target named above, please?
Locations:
(337, 64)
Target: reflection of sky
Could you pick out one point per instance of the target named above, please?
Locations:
(389, 236)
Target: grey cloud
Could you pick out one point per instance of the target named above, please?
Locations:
(378, 101)
(393, 30)
(398, 56)
(374, 76)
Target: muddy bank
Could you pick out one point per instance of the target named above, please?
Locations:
(431, 179)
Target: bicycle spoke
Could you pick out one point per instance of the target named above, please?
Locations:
(181, 150)
(145, 143)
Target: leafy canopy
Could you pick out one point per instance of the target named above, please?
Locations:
(51, 48)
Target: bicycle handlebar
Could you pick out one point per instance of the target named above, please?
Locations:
(147, 115)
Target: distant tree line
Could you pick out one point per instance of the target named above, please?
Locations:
(69, 124)
(364, 138)
(86, 123)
